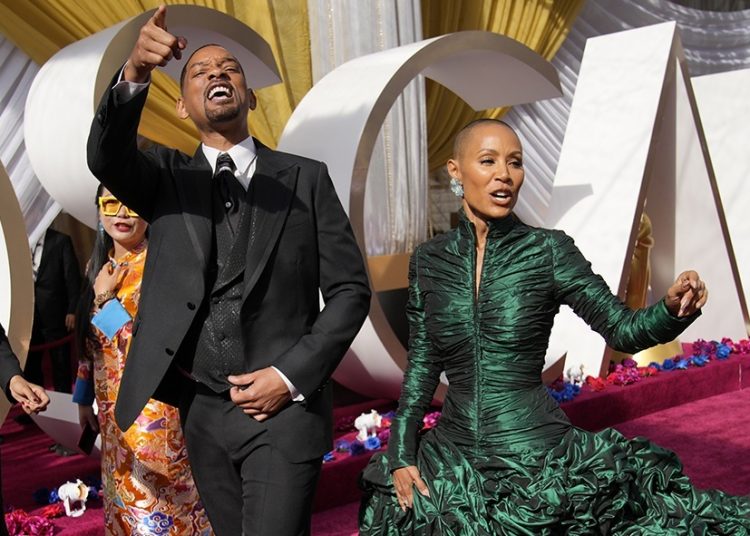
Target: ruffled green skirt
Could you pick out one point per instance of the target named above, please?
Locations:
(591, 483)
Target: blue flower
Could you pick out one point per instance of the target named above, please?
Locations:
(723, 351)
(372, 443)
(681, 364)
(655, 365)
(668, 364)
(342, 446)
(356, 448)
(700, 360)
(562, 392)
(328, 457)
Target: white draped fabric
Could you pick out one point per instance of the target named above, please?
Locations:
(396, 192)
(17, 72)
(713, 42)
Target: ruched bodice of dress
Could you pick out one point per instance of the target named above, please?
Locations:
(493, 362)
(491, 343)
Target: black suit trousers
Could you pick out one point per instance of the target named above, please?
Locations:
(247, 485)
(62, 375)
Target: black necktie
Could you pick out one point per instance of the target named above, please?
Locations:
(231, 190)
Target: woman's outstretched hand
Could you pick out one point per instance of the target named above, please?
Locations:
(404, 479)
(686, 295)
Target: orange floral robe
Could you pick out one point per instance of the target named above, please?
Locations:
(147, 483)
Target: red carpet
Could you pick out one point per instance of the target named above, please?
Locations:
(698, 413)
(28, 465)
(711, 436)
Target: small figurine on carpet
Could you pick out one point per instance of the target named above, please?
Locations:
(368, 424)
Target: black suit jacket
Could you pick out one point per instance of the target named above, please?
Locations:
(300, 243)
(9, 365)
(57, 286)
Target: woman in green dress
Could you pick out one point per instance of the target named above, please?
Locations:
(504, 458)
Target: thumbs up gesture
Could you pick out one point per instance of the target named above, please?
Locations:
(155, 47)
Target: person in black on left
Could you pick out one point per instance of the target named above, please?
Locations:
(57, 284)
(32, 397)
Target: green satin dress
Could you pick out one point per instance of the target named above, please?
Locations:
(504, 459)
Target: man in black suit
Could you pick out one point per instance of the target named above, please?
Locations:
(32, 397)
(57, 284)
(239, 250)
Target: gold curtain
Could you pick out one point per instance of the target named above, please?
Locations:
(542, 25)
(42, 27)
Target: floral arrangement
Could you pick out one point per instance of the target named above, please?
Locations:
(705, 352)
(562, 390)
(346, 446)
(629, 372)
(20, 522)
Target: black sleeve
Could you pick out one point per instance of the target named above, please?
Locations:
(345, 289)
(113, 155)
(9, 365)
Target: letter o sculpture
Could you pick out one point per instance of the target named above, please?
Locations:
(338, 122)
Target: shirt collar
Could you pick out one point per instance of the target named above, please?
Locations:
(243, 154)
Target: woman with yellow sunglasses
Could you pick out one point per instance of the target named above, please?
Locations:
(146, 476)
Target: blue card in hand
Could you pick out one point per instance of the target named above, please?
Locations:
(111, 318)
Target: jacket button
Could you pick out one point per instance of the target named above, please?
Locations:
(190, 305)
(169, 351)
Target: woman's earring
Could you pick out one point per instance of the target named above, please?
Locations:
(100, 228)
(456, 187)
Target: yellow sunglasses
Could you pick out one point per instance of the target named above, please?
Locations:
(110, 206)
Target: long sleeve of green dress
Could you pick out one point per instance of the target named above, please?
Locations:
(590, 298)
(421, 378)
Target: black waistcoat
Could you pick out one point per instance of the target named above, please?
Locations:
(219, 351)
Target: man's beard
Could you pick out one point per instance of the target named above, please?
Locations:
(222, 114)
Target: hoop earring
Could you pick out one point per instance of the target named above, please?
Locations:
(99, 227)
(456, 187)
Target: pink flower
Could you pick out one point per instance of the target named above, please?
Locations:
(595, 384)
(431, 419)
(20, 523)
(53, 510)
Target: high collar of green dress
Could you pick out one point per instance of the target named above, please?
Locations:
(497, 228)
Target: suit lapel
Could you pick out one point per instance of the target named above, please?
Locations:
(273, 186)
(194, 189)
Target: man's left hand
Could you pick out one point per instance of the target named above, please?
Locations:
(260, 394)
